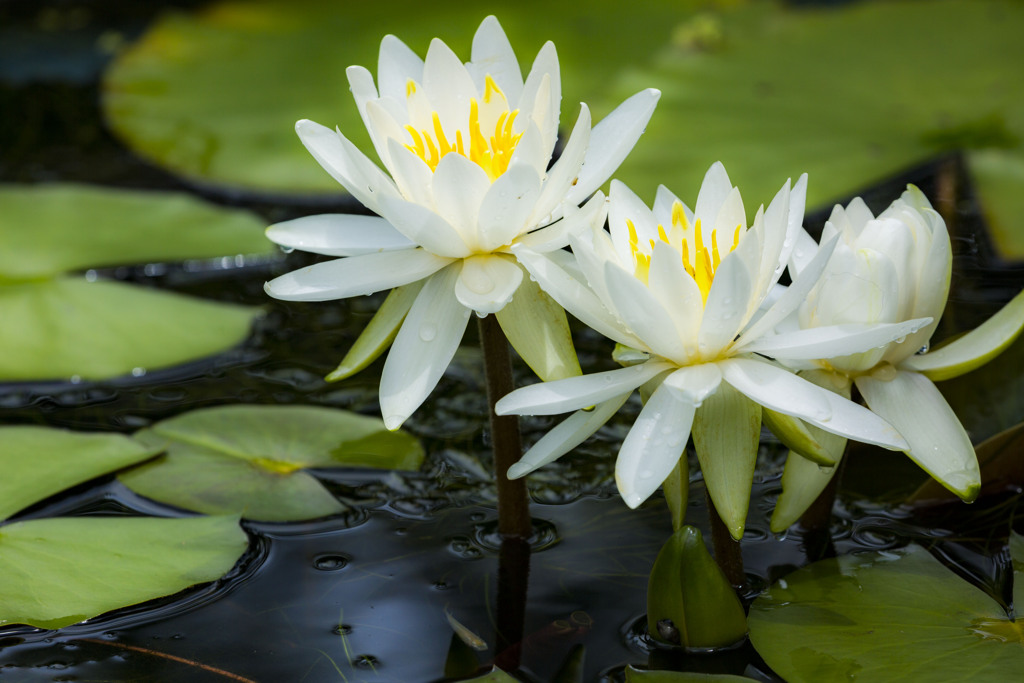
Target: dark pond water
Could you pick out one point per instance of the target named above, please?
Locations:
(363, 596)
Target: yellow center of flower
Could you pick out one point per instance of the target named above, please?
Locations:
(492, 153)
(700, 262)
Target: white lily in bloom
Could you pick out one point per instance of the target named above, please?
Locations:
(467, 149)
(686, 288)
(885, 269)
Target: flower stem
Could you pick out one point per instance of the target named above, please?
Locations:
(727, 550)
(513, 504)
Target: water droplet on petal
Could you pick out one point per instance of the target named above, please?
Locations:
(900, 340)
(428, 331)
(923, 350)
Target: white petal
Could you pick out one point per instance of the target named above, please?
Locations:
(423, 348)
(487, 282)
(624, 205)
(804, 249)
(355, 275)
(412, 175)
(459, 189)
(695, 382)
(531, 150)
(832, 340)
(938, 442)
(794, 295)
(611, 140)
(338, 234)
(449, 87)
(569, 434)
(565, 171)
(556, 235)
(383, 128)
(542, 95)
(424, 227)
(346, 164)
(573, 393)
(653, 445)
(776, 388)
(678, 293)
(643, 313)
(396, 64)
(727, 307)
(506, 206)
(715, 187)
(493, 55)
(360, 82)
(575, 296)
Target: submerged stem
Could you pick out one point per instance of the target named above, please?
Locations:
(513, 504)
(727, 550)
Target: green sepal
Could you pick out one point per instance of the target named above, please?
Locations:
(677, 491)
(536, 327)
(726, 433)
(973, 349)
(796, 435)
(379, 333)
(688, 588)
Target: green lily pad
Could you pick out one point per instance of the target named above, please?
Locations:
(60, 571)
(214, 95)
(251, 460)
(71, 327)
(892, 616)
(47, 230)
(850, 95)
(38, 462)
(634, 675)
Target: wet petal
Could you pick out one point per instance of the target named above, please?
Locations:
(355, 275)
(459, 189)
(695, 382)
(338, 234)
(565, 171)
(569, 434)
(487, 282)
(423, 348)
(643, 313)
(506, 206)
(424, 227)
(832, 340)
(396, 64)
(493, 55)
(573, 393)
(937, 441)
(653, 445)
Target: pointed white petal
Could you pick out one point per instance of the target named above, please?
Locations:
(459, 189)
(493, 55)
(487, 282)
(804, 249)
(449, 87)
(338, 234)
(975, 348)
(396, 64)
(556, 236)
(569, 434)
(355, 275)
(728, 305)
(695, 382)
(725, 434)
(424, 227)
(531, 150)
(794, 295)
(413, 176)
(937, 440)
(541, 98)
(776, 388)
(506, 206)
(346, 164)
(715, 187)
(625, 207)
(611, 140)
(677, 292)
(643, 313)
(575, 296)
(423, 348)
(573, 393)
(565, 171)
(833, 340)
(653, 445)
(383, 129)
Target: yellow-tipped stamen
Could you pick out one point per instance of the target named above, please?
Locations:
(492, 154)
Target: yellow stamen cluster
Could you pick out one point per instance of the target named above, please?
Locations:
(701, 265)
(491, 153)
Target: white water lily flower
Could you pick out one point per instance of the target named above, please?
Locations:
(686, 288)
(884, 269)
(467, 149)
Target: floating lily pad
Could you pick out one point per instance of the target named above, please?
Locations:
(849, 94)
(252, 459)
(47, 230)
(214, 95)
(38, 462)
(60, 571)
(67, 327)
(892, 616)
(634, 675)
